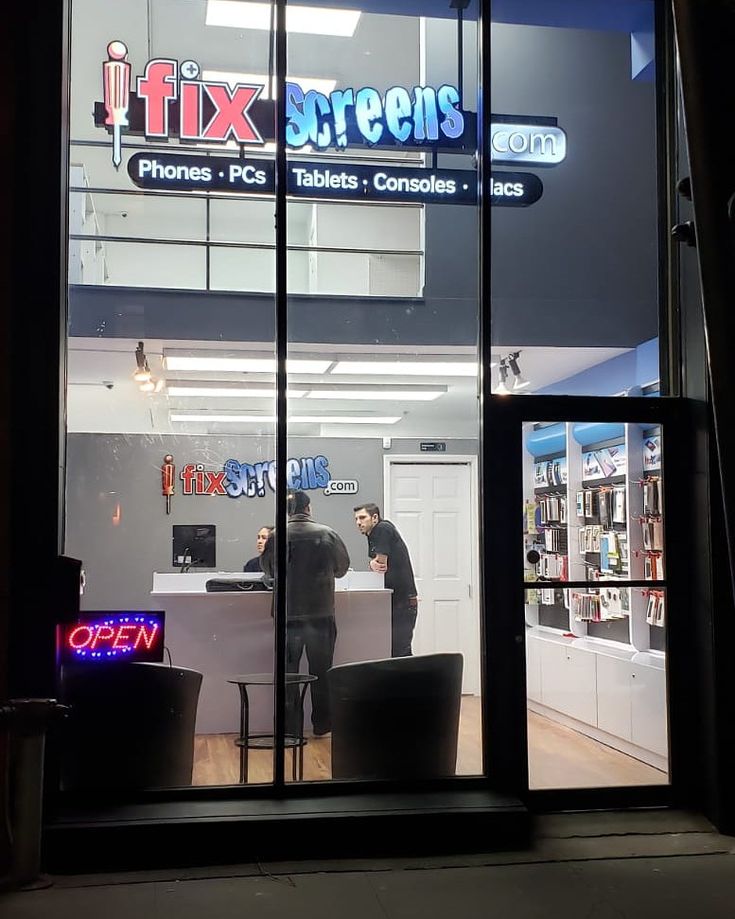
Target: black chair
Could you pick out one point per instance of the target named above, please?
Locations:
(131, 726)
(396, 719)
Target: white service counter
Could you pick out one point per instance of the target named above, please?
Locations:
(223, 634)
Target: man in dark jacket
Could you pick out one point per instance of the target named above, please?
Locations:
(316, 556)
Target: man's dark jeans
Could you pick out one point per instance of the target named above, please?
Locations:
(318, 636)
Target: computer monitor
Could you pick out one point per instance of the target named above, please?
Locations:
(194, 546)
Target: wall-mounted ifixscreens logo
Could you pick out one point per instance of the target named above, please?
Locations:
(236, 479)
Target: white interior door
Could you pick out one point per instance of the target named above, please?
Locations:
(431, 504)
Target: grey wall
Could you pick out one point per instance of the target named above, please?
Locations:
(104, 471)
(580, 266)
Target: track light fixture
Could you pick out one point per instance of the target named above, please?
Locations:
(502, 388)
(519, 381)
(143, 376)
(506, 366)
(142, 370)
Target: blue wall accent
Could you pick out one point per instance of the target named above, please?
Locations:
(548, 440)
(642, 55)
(586, 433)
(626, 373)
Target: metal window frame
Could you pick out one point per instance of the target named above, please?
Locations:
(503, 726)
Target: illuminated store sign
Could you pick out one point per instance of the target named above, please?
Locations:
(342, 181)
(107, 636)
(423, 114)
(532, 145)
(170, 99)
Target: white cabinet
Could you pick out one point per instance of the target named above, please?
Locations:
(568, 681)
(620, 697)
(533, 668)
(648, 708)
(614, 696)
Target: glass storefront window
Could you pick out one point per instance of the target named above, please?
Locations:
(171, 473)
(175, 298)
(575, 275)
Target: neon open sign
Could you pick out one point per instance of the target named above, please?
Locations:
(123, 635)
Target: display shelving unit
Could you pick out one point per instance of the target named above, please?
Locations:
(596, 655)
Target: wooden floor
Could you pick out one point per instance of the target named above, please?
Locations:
(559, 757)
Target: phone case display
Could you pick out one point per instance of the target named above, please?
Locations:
(602, 514)
(601, 605)
(546, 538)
(550, 472)
(652, 526)
(550, 530)
(656, 608)
(594, 514)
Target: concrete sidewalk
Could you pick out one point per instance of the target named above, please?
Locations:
(592, 866)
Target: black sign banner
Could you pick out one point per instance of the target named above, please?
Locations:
(331, 181)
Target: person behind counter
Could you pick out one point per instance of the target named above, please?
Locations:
(316, 556)
(389, 554)
(260, 540)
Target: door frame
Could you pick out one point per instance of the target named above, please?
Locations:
(504, 701)
(451, 459)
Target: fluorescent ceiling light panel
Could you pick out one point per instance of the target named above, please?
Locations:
(230, 392)
(402, 395)
(241, 364)
(312, 20)
(407, 368)
(341, 419)
(232, 78)
(224, 419)
(295, 419)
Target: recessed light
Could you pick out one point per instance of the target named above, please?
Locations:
(294, 419)
(312, 20)
(224, 419)
(408, 368)
(342, 419)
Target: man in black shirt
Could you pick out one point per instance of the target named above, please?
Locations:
(389, 554)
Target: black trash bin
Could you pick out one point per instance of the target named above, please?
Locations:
(26, 722)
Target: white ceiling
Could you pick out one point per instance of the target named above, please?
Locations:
(123, 408)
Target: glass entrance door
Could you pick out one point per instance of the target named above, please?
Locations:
(587, 615)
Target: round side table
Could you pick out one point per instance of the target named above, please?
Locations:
(266, 741)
